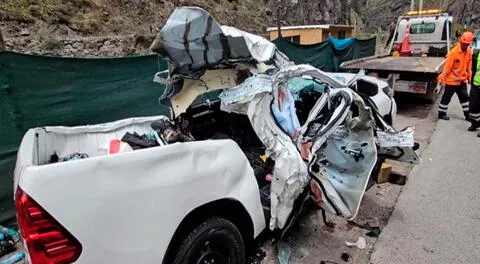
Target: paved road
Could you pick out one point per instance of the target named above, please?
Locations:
(437, 216)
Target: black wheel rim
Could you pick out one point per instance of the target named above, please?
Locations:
(213, 251)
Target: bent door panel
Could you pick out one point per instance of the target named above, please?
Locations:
(343, 153)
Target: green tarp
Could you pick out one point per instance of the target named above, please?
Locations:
(39, 91)
(324, 55)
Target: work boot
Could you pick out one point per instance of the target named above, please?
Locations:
(443, 116)
(478, 135)
(474, 126)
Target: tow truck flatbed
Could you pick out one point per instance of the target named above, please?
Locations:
(424, 38)
(396, 64)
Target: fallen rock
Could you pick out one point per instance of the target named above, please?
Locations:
(24, 33)
(64, 30)
(79, 46)
(104, 48)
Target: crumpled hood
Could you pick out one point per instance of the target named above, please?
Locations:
(192, 41)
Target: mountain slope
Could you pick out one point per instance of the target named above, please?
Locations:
(125, 27)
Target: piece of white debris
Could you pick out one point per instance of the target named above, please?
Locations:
(361, 243)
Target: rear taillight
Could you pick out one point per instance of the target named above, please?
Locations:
(47, 241)
(417, 88)
(373, 74)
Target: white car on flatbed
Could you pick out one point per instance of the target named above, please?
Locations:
(223, 168)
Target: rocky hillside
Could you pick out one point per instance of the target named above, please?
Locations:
(370, 15)
(108, 27)
(125, 27)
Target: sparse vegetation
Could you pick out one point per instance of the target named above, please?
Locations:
(92, 24)
(50, 44)
(52, 11)
(88, 23)
(20, 15)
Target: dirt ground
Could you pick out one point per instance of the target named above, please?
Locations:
(312, 242)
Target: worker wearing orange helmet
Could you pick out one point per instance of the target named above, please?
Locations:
(456, 74)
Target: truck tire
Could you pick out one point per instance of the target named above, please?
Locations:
(216, 241)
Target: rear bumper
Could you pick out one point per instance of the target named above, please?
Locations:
(411, 87)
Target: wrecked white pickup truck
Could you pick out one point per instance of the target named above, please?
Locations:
(250, 139)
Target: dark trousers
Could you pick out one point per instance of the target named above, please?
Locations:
(462, 94)
(475, 104)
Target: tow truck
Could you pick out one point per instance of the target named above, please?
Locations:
(416, 53)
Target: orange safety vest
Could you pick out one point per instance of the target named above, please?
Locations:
(457, 68)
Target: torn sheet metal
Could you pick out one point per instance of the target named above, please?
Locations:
(290, 175)
(211, 80)
(190, 40)
(281, 60)
(260, 48)
(193, 41)
(247, 90)
(399, 153)
(345, 153)
(288, 72)
(402, 138)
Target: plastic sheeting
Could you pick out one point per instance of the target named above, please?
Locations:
(340, 44)
(325, 56)
(38, 91)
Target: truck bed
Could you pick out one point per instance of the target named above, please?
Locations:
(141, 196)
(396, 64)
(91, 140)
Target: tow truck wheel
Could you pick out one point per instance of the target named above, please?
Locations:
(215, 241)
